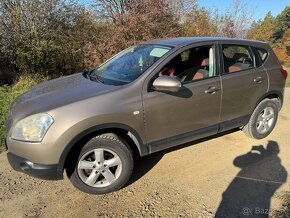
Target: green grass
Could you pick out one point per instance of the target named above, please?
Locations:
(288, 78)
(7, 95)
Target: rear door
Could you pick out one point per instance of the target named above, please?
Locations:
(243, 83)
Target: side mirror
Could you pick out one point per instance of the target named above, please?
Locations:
(167, 83)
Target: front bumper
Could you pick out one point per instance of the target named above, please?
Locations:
(41, 171)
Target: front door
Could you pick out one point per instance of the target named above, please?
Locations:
(191, 112)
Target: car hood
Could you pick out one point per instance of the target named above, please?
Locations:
(56, 93)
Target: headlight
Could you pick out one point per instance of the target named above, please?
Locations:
(32, 128)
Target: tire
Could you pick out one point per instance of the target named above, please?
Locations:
(109, 172)
(263, 120)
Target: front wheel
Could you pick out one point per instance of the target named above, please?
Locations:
(104, 165)
(263, 120)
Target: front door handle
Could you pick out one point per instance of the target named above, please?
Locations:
(211, 90)
(258, 79)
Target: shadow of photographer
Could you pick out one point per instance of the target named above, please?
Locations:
(250, 192)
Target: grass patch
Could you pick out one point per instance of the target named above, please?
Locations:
(288, 78)
(8, 94)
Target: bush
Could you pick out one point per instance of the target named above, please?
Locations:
(8, 94)
(40, 37)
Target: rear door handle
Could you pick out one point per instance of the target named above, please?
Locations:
(258, 79)
(211, 90)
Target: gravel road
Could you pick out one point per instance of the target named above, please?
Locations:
(227, 175)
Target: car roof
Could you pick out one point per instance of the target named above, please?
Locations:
(182, 41)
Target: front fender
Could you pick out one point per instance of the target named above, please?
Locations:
(142, 148)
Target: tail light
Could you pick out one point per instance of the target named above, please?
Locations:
(284, 73)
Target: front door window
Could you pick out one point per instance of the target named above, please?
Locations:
(190, 65)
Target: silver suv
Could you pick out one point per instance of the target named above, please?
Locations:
(147, 98)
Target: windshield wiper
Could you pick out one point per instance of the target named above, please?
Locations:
(94, 77)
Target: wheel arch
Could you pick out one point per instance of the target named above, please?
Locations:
(127, 134)
(271, 95)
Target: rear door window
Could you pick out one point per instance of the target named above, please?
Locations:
(237, 58)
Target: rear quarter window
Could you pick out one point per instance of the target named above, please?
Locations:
(263, 54)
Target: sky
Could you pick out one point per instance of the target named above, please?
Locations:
(260, 7)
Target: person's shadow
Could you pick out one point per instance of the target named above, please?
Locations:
(250, 192)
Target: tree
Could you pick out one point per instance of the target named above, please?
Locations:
(122, 23)
(198, 22)
(263, 30)
(39, 36)
(57, 37)
(234, 23)
(231, 23)
(282, 24)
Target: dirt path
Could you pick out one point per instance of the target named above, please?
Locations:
(210, 176)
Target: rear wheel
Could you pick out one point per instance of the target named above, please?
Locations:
(104, 165)
(263, 120)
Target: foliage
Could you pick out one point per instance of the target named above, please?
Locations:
(58, 37)
(282, 24)
(199, 23)
(288, 78)
(124, 23)
(276, 31)
(39, 37)
(234, 23)
(263, 30)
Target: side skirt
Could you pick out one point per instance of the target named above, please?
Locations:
(197, 134)
(181, 139)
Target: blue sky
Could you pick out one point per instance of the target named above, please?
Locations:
(260, 7)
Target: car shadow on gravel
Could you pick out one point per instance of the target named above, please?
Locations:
(144, 164)
(250, 192)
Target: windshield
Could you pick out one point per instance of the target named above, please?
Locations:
(129, 64)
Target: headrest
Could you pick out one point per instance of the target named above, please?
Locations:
(205, 62)
(239, 56)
